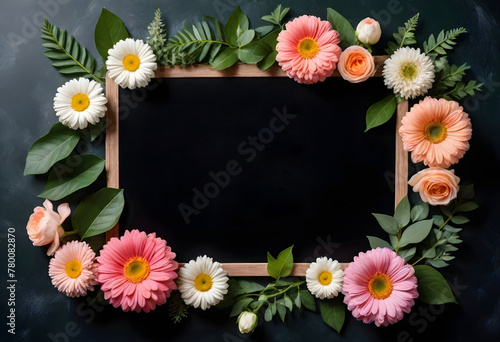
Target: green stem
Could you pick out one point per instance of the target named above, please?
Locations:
(70, 233)
(275, 294)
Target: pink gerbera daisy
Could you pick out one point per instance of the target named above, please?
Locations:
(73, 270)
(379, 287)
(437, 132)
(137, 271)
(308, 49)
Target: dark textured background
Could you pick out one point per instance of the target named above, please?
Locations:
(314, 185)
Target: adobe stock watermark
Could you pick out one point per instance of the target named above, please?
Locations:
(32, 23)
(420, 319)
(249, 149)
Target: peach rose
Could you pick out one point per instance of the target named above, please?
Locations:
(44, 225)
(368, 31)
(436, 186)
(356, 64)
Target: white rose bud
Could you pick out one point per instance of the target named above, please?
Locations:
(368, 31)
(247, 321)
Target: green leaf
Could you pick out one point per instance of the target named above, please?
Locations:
(380, 112)
(267, 61)
(268, 314)
(402, 212)
(437, 263)
(388, 223)
(333, 312)
(109, 30)
(298, 300)
(288, 302)
(438, 220)
(91, 132)
(343, 27)
(225, 59)
(57, 144)
(246, 37)
(378, 242)
(264, 30)
(77, 172)
(404, 36)
(419, 211)
(446, 210)
(240, 306)
(252, 53)
(407, 254)
(236, 24)
(281, 266)
(416, 232)
(432, 287)
(243, 286)
(459, 219)
(307, 300)
(466, 207)
(98, 212)
(281, 309)
(67, 55)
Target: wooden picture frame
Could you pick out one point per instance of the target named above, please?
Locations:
(239, 70)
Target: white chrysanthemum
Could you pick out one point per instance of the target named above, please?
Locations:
(202, 283)
(131, 63)
(325, 278)
(409, 72)
(80, 102)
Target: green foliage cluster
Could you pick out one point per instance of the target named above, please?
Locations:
(280, 296)
(418, 236)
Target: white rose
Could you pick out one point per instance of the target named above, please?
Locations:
(368, 31)
(247, 321)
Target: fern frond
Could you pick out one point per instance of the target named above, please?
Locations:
(66, 54)
(434, 47)
(405, 35)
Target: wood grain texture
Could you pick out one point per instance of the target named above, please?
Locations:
(112, 142)
(239, 70)
(401, 177)
(260, 269)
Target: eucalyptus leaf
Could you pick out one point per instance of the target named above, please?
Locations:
(109, 30)
(57, 144)
(333, 312)
(236, 24)
(343, 27)
(438, 220)
(419, 211)
(98, 212)
(378, 242)
(76, 172)
(282, 265)
(307, 300)
(437, 263)
(240, 306)
(402, 212)
(225, 59)
(432, 287)
(459, 219)
(380, 112)
(416, 233)
(388, 223)
(466, 207)
(407, 254)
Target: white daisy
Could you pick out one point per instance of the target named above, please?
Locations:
(324, 278)
(202, 283)
(80, 102)
(409, 72)
(131, 63)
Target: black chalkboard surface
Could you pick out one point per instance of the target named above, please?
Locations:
(235, 167)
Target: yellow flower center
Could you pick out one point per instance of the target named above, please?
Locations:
(435, 132)
(80, 102)
(136, 269)
(325, 278)
(380, 286)
(73, 268)
(409, 71)
(203, 282)
(131, 62)
(308, 47)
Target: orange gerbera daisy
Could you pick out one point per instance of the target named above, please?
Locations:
(436, 132)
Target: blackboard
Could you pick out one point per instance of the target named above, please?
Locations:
(236, 167)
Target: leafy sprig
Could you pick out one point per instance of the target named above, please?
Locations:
(67, 55)
(276, 16)
(435, 47)
(404, 37)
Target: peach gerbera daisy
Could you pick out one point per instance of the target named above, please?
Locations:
(308, 49)
(73, 270)
(379, 287)
(436, 132)
(137, 271)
